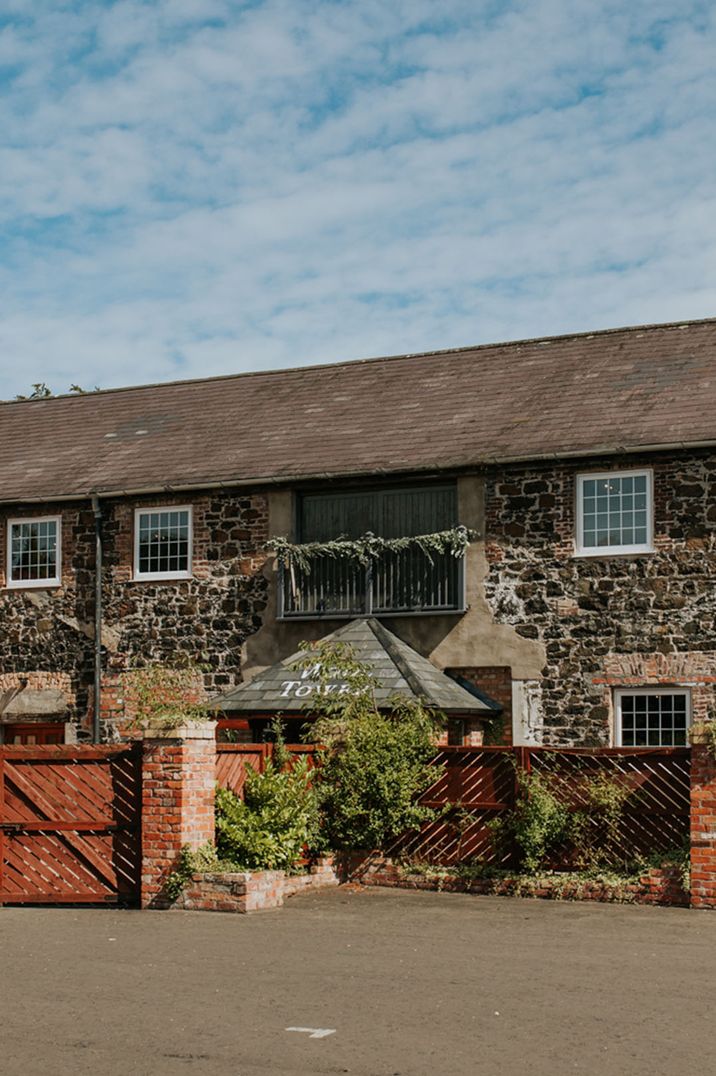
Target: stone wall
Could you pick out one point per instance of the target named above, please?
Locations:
(206, 618)
(608, 621)
(45, 636)
(568, 629)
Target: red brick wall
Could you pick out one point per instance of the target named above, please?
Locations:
(178, 776)
(658, 885)
(252, 891)
(495, 681)
(703, 827)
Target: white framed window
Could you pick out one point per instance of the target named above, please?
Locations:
(34, 552)
(652, 716)
(163, 543)
(615, 512)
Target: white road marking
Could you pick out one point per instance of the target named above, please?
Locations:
(314, 1032)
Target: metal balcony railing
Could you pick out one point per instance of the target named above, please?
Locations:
(395, 583)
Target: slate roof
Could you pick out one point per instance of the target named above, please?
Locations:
(32, 703)
(396, 666)
(566, 395)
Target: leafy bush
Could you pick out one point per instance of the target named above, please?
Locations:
(276, 820)
(536, 825)
(373, 763)
(369, 786)
(541, 827)
(593, 830)
(194, 861)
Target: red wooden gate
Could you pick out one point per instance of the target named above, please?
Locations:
(70, 824)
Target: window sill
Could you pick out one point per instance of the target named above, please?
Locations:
(607, 552)
(169, 577)
(34, 584)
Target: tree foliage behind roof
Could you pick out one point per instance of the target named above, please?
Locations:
(41, 391)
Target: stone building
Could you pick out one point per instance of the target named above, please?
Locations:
(583, 466)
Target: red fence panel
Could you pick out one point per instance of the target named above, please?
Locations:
(478, 784)
(70, 824)
(233, 760)
(655, 784)
(475, 785)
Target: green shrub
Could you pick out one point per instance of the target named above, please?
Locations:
(165, 697)
(369, 785)
(277, 819)
(535, 827)
(541, 827)
(374, 759)
(594, 829)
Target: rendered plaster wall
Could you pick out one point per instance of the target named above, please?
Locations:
(474, 638)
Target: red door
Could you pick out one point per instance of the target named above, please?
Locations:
(34, 734)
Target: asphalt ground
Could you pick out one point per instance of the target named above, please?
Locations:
(406, 983)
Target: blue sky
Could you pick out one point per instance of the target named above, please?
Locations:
(196, 187)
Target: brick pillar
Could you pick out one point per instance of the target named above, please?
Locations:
(178, 780)
(703, 826)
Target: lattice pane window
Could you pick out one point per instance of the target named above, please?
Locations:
(652, 718)
(163, 544)
(34, 552)
(614, 513)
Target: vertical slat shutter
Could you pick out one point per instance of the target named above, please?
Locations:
(393, 513)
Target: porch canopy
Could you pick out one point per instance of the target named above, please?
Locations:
(286, 689)
(21, 702)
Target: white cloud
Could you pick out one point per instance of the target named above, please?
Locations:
(190, 188)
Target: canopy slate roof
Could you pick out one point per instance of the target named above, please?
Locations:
(396, 666)
(620, 389)
(32, 703)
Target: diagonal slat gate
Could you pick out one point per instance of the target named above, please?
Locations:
(70, 824)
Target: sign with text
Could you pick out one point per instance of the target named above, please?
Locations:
(306, 685)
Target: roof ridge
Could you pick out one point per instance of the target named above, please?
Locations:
(343, 363)
(385, 637)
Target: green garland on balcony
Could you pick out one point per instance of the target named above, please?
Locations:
(369, 547)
